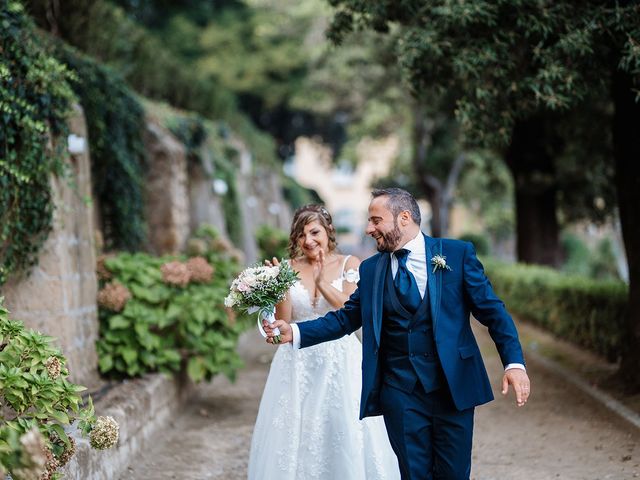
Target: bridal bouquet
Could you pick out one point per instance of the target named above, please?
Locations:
(259, 289)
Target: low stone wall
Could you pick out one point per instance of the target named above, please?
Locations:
(143, 407)
(58, 296)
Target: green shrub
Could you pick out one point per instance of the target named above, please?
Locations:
(587, 312)
(576, 254)
(272, 242)
(602, 262)
(479, 241)
(599, 262)
(155, 318)
(38, 404)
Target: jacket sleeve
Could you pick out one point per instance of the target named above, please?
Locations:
(333, 325)
(489, 310)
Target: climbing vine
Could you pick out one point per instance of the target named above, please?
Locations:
(35, 99)
(115, 120)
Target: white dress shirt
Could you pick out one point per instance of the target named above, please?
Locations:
(416, 262)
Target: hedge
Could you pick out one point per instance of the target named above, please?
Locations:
(587, 312)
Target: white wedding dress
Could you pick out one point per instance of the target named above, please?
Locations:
(307, 425)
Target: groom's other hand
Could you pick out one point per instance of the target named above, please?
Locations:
(286, 336)
(521, 386)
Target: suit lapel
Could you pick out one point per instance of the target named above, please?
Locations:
(378, 289)
(434, 279)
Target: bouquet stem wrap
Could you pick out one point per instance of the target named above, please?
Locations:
(268, 314)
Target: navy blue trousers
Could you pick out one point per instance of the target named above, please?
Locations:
(431, 439)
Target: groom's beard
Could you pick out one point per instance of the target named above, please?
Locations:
(390, 240)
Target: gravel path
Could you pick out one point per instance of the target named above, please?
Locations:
(560, 434)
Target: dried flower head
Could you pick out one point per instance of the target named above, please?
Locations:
(68, 450)
(175, 273)
(33, 458)
(113, 296)
(104, 434)
(220, 244)
(101, 268)
(51, 467)
(237, 255)
(197, 246)
(199, 270)
(54, 367)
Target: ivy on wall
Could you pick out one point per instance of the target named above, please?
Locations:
(115, 121)
(35, 99)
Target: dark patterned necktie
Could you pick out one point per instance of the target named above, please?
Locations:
(405, 283)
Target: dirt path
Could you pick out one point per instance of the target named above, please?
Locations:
(560, 434)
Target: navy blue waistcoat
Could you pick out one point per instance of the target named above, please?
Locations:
(407, 343)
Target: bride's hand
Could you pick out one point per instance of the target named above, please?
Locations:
(318, 268)
(274, 262)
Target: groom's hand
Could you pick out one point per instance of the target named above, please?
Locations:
(286, 335)
(521, 386)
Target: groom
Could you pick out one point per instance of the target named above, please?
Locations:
(421, 368)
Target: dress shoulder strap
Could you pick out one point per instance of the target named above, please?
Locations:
(344, 264)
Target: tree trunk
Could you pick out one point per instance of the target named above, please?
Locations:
(626, 132)
(431, 187)
(440, 196)
(531, 159)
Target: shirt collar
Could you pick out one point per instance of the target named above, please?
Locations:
(415, 245)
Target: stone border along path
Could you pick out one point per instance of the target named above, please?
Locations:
(562, 433)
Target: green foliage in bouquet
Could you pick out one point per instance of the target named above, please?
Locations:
(38, 403)
(35, 100)
(160, 314)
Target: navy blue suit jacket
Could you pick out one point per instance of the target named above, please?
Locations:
(454, 294)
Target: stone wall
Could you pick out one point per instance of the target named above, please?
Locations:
(58, 296)
(166, 191)
(261, 200)
(205, 202)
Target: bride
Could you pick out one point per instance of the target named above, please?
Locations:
(307, 425)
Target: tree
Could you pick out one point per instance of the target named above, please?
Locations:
(518, 65)
(497, 58)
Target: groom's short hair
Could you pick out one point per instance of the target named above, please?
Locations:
(399, 200)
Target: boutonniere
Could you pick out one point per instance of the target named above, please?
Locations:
(439, 261)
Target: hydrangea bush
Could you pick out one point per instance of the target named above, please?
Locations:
(38, 403)
(167, 313)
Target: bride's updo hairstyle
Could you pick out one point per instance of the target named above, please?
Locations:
(302, 217)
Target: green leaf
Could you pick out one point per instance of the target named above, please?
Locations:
(129, 355)
(61, 417)
(61, 433)
(105, 363)
(118, 322)
(196, 369)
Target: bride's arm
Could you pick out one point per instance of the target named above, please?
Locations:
(283, 309)
(334, 296)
